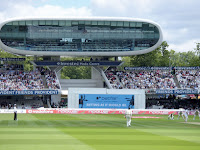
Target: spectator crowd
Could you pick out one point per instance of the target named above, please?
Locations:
(154, 79)
(26, 80)
(188, 78)
(142, 80)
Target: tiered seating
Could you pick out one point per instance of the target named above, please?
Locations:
(146, 80)
(114, 83)
(52, 81)
(188, 78)
(20, 80)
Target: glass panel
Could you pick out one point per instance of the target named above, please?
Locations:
(94, 22)
(15, 23)
(41, 22)
(126, 24)
(9, 23)
(29, 23)
(156, 30)
(120, 24)
(81, 22)
(107, 23)
(114, 23)
(62, 23)
(157, 35)
(55, 22)
(100, 22)
(21, 22)
(74, 22)
(87, 22)
(132, 24)
(35, 22)
(139, 24)
(48, 22)
(150, 25)
(68, 23)
(151, 35)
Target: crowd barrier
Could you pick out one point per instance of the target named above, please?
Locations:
(95, 111)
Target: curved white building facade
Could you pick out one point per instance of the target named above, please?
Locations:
(80, 36)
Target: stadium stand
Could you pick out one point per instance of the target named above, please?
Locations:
(51, 79)
(188, 78)
(151, 80)
(157, 79)
(113, 80)
(30, 103)
(171, 102)
(21, 80)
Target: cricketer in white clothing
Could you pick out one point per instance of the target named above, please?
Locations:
(196, 113)
(171, 116)
(128, 116)
(15, 112)
(186, 113)
(180, 114)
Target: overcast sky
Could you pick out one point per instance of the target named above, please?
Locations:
(179, 19)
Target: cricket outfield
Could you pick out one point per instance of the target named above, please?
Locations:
(97, 132)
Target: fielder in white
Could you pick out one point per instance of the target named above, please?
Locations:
(171, 117)
(196, 113)
(186, 113)
(128, 116)
(180, 114)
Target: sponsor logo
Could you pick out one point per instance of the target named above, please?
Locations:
(93, 111)
(34, 111)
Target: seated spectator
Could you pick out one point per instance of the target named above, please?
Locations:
(143, 79)
(188, 78)
(21, 80)
(52, 81)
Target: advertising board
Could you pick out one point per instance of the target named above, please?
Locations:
(112, 101)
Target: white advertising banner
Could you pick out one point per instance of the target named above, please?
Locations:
(6, 111)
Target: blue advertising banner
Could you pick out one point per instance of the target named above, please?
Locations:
(186, 68)
(147, 68)
(12, 59)
(177, 91)
(161, 68)
(78, 63)
(106, 101)
(29, 92)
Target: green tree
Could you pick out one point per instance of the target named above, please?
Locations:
(158, 57)
(187, 59)
(197, 50)
(163, 55)
(74, 72)
(126, 63)
(27, 65)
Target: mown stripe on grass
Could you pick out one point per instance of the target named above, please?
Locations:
(70, 141)
(190, 135)
(123, 137)
(39, 136)
(145, 147)
(43, 147)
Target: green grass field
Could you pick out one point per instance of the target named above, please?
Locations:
(96, 132)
